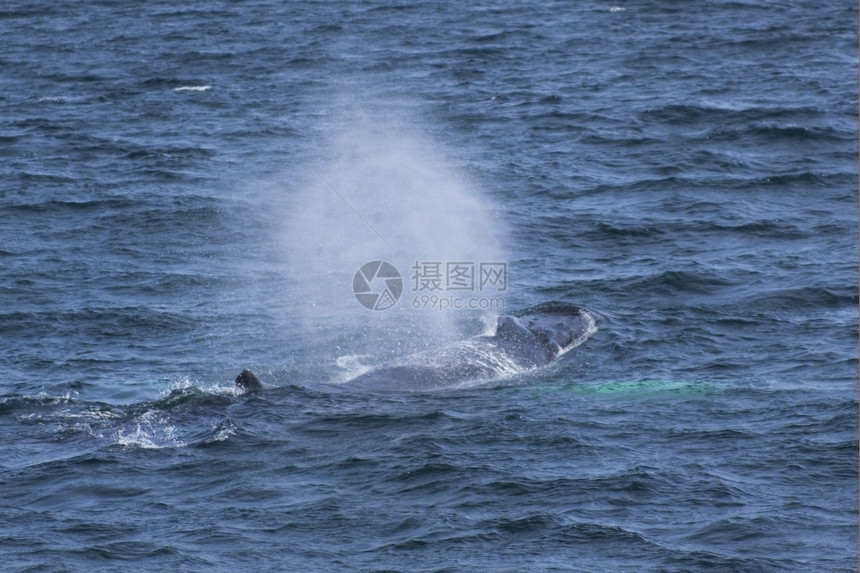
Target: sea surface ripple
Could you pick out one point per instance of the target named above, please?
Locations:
(181, 184)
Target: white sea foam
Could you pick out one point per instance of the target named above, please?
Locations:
(63, 99)
(222, 434)
(192, 89)
(186, 383)
(150, 432)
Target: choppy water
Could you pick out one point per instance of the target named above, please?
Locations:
(187, 190)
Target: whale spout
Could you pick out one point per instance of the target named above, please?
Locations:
(248, 381)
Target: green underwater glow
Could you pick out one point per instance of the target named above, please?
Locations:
(644, 388)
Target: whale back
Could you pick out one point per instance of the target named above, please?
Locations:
(522, 341)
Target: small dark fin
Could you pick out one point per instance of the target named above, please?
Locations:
(247, 381)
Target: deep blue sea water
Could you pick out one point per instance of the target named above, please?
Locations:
(187, 190)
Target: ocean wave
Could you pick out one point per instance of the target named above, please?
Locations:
(808, 297)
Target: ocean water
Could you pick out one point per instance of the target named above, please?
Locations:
(187, 190)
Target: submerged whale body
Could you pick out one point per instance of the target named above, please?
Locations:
(520, 341)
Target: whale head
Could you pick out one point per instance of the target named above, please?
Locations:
(558, 326)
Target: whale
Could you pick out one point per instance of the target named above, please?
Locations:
(248, 382)
(517, 342)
